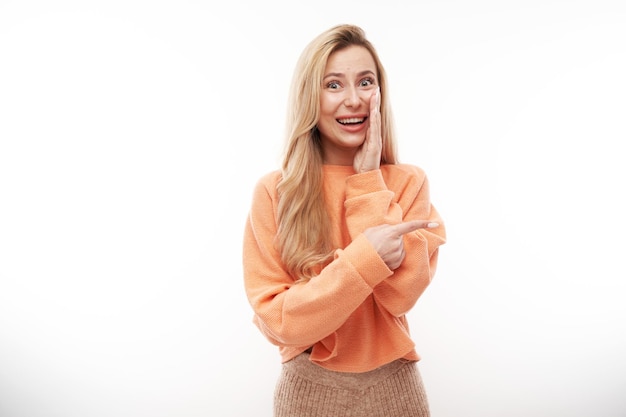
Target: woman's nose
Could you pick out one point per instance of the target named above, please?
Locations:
(352, 97)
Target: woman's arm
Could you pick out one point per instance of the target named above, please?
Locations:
(300, 314)
(369, 203)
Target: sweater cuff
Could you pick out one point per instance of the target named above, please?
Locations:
(366, 261)
(366, 182)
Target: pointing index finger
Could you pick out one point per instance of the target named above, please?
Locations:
(407, 227)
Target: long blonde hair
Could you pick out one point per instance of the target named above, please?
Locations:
(303, 224)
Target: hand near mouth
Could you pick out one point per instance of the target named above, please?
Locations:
(367, 158)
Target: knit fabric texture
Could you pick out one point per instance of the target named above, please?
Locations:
(353, 313)
(308, 390)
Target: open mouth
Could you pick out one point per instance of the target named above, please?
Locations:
(352, 121)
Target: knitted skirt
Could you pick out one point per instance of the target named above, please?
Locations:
(305, 389)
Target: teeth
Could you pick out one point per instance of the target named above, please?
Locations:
(351, 120)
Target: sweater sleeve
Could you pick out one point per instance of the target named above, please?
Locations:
(303, 313)
(370, 203)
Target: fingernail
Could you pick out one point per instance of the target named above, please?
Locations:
(433, 224)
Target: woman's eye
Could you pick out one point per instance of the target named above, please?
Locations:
(333, 85)
(366, 82)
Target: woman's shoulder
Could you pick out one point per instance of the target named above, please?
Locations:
(403, 170)
(270, 177)
(269, 181)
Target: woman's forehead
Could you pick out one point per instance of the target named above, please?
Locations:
(352, 59)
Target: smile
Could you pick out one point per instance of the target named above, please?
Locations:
(352, 120)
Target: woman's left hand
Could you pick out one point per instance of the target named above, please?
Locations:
(367, 158)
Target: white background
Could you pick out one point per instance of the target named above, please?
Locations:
(132, 133)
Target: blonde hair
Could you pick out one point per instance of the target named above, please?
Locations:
(303, 224)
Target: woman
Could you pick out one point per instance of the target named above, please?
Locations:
(341, 242)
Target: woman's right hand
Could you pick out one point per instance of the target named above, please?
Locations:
(387, 239)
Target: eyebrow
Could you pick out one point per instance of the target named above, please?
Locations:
(339, 74)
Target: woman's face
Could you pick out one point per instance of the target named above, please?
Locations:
(350, 79)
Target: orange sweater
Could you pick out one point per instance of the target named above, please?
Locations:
(353, 313)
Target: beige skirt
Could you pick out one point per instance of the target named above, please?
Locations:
(305, 389)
